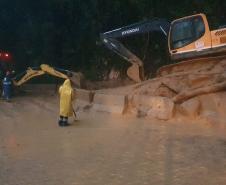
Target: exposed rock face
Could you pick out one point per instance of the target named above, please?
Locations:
(109, 103)
(185, 87)
(83, 99)
(198, 93)
(201, 77)
(214, 102)
(210, 117)
(164, 91)
(153, 106)
(191, 108)
(78, 80)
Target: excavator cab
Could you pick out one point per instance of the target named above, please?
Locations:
(190, 37)
(194, 45)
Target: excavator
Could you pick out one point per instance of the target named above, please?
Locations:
(190, 43)
(7, 64)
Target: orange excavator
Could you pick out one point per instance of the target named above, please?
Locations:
(190, 43)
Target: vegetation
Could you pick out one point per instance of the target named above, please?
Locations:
(65, 33)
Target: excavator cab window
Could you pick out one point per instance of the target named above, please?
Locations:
(186, 31)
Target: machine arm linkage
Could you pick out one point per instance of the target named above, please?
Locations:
(110, 40)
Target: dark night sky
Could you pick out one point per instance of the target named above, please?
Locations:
(65, 32)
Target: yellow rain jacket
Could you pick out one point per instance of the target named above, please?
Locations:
(66, 97)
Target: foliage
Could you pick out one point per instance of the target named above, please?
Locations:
(65, 33)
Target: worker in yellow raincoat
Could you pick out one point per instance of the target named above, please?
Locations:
(66, 97)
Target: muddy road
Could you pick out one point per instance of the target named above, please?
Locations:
(102, 149)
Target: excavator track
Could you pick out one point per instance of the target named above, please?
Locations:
(187, 66)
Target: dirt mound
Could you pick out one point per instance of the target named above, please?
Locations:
(187, 91)
(196, 94)
(178, 82)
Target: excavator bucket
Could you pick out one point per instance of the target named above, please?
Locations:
(136, 72)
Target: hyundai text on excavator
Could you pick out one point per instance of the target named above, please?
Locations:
(190, 42)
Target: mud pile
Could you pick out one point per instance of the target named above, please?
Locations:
(197, 94)
(193, 93)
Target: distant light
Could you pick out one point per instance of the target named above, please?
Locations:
(6, 55)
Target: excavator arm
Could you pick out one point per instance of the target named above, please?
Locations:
(38, 71)
(27, 75)
(136, 71)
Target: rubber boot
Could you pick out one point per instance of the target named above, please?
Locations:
(60, 122)
(65, 122)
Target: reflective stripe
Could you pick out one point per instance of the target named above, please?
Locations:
(7, 83)
(219, 45)
(192, 50)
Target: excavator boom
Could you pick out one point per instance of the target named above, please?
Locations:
(136, 71)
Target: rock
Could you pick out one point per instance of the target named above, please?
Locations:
(141, 113)
(177, 84)
(214, 102)
(78, 80)
(212, 118)
(164, 91)
(114, 74)
(191, 108)
(213, 109)
(155, 106)
(83, 99)
(84, 95)
(81, 105)
(110, 103)
(199, 80)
